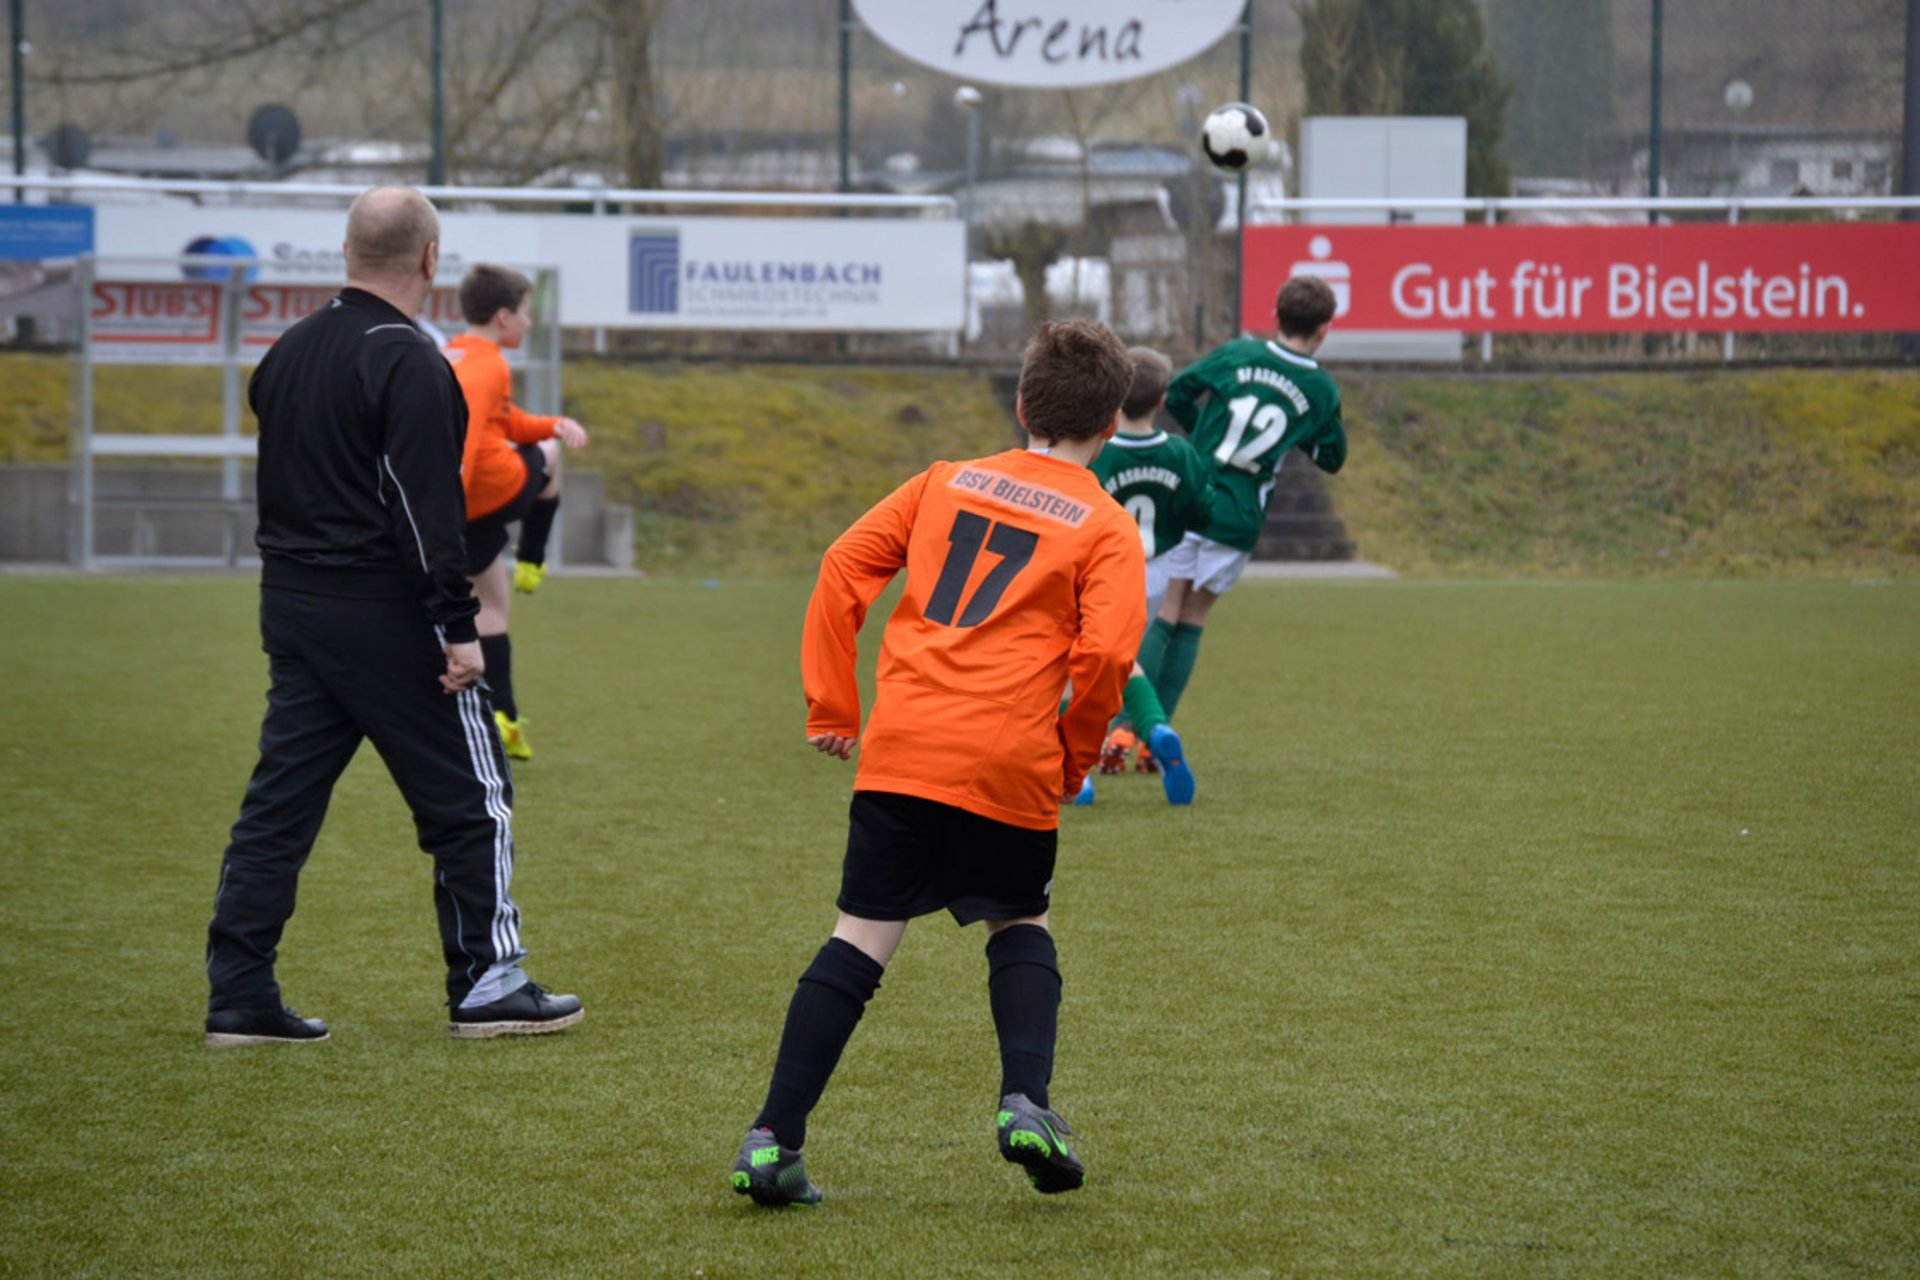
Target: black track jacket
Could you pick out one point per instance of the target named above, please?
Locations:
(361, 427)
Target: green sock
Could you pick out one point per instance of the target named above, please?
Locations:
(1153, 648)
(1143, 707)
(1177, 667)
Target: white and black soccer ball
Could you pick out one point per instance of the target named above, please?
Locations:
(1235, 137)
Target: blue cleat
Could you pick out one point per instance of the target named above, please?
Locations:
(1086, 791)
(1175, 777)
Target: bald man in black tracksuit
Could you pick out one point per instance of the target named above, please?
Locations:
(367, 619)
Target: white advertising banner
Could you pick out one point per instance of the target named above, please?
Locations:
(830, 274)
(764, 273)
(295, 246)
(1050, 44)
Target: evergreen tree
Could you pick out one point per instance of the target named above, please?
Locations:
(1410, 58)
(1560, 59)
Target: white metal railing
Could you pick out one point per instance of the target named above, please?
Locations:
(538, 362)
(1494, 205)
(599, 197)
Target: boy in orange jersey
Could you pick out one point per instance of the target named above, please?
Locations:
(507, 470)
(1021, 574)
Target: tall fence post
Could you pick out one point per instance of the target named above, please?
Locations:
(1489, 216)
(81, 434)
(233, 288)
(1727, 338)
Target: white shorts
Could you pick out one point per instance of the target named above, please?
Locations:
(1209, 565)
(1159, 573)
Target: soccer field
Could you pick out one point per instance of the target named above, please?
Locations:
(1518, 929)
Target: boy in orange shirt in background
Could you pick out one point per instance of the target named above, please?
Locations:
(1021, 574)
(508, 471)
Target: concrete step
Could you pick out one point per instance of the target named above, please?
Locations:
(169, 512)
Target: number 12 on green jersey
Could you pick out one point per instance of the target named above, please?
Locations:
(1269, 422)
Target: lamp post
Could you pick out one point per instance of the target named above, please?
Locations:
(1738, 96)
(18, 52)
(1653, 112)
(967, 99)
(437, 160)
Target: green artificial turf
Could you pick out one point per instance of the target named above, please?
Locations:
(1519, 929)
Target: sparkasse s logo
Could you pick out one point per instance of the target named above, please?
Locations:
(203, 247)
(653, 272)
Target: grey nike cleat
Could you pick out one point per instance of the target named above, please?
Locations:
(775, 1176)
(1036, 1138)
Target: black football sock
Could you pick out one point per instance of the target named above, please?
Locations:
(535, 529)
(1023, 983)
(825, 1008)
(497, 651)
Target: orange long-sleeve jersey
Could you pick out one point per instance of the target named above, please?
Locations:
(1021, 573)
(490, 470)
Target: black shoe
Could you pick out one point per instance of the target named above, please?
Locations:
(1037, 1139)
(263, 1026)
(775, 1176)
(529, 1011)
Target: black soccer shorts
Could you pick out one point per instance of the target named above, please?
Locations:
(907, 856)
(487, 536)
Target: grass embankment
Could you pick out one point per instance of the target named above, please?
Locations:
(1750, 473)
(1759, 473)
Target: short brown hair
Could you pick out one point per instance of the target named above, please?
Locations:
(1305, 303)
(487, 290)
(1073, 377)
(1151, 374)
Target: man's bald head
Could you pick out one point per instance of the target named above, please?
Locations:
(388, 231)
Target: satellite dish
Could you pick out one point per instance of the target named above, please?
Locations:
(273, 132)
(68, 146)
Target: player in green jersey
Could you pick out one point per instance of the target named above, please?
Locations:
(1244, 404)
(1166, 487)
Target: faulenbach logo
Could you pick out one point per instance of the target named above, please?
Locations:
(653, 272)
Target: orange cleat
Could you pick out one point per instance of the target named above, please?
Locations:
(1145, 763)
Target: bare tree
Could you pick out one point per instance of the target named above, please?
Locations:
(628, 26)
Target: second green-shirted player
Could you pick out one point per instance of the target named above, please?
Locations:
(1244, 404)
(1166, 487)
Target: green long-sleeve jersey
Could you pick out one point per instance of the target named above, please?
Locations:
(1165, 486)
(1260, 401)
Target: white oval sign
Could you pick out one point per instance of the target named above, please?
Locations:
(1049, 44)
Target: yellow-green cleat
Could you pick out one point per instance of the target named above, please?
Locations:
(1035, 1138)
(775, 1176)
(513, 736)
(527, 576)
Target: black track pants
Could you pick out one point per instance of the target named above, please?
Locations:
(343, 670)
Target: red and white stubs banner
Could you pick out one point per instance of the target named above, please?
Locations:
(1804, 277)
(180, 322)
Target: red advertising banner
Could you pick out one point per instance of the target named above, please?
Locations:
(156, 314)
(139, 322)
(1798, 278)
